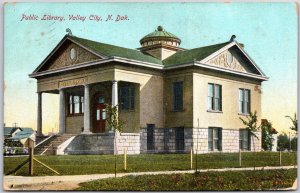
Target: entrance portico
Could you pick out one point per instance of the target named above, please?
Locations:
(82, 107)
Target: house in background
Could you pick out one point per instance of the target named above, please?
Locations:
(171, 99)
(17, 140)
(10, 131)
(274, 134)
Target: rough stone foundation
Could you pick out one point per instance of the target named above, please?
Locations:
(164, 140)
(104, 144)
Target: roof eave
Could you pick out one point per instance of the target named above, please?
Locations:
(199, 64)
(102, 61)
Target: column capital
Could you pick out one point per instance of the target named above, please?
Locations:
(114, 81)
(86, 85)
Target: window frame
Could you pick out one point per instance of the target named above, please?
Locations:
(211, 100)
(242, 140)
(212, 139)
(130, 97)
(150, 133)
(71, 105)
(243, 103)
(177, 96)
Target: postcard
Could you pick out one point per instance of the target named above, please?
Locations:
(150, 96)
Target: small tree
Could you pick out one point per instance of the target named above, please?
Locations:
(251, 125)
(266, 136)
(283, 142)
(294, 121)
(116, 125)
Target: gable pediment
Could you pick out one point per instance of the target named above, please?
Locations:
(233, 58)
(67, 53)
(229, 60)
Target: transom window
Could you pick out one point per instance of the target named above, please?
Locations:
(214, 139)
(244, 101)
(178, 96)
(126, 97)
(76, 104)
(214, 98)
(244, 139)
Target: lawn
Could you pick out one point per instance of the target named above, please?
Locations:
(98, 164)
(240, 180)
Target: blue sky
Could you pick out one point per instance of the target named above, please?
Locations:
(268, 30)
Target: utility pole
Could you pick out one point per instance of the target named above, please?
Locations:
(197, 148)
(290, 141)
(15, 125)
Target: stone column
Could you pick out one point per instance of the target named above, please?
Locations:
(39, 115)
(87, 122)
(114, 99)
(62, 114)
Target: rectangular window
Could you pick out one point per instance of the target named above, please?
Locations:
(126, 97)
(244, 139)
(82, 103)
(214, 97)
(178, 96)
(244, 101)
(214, 139)
(150, 136)
(75, 104)
(76, 100)
(179, 139)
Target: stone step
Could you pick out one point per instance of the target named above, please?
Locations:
(53, 144)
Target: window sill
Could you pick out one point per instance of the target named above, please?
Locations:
(213, 111)
(244, 114)
(75, 115)
(176, 111)
(127, 110)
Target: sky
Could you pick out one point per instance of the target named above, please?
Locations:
(268, 31)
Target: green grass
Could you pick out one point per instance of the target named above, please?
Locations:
(99, 164)
(238, 180)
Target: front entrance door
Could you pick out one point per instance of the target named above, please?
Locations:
(99, 114)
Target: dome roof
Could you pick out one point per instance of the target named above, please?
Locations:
(160, 34)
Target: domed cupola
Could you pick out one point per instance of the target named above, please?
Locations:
(160, 43)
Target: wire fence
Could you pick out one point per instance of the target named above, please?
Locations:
(105, 163)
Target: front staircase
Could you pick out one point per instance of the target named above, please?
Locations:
(49, 146)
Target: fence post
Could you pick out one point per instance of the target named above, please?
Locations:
(125, 159)
(240, 158)
(192, 158)
(280, 158)
(30, 161)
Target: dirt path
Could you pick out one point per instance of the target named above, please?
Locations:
(71, 182)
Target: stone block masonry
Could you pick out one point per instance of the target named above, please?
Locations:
(104, 144)
(128, 141)
(165, 140)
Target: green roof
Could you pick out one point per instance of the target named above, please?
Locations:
(22, 135)
(110, 50)
(159, 33)
(181, 57)
(195, 54)
(9, 130)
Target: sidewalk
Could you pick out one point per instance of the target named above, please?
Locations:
(71, 181)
